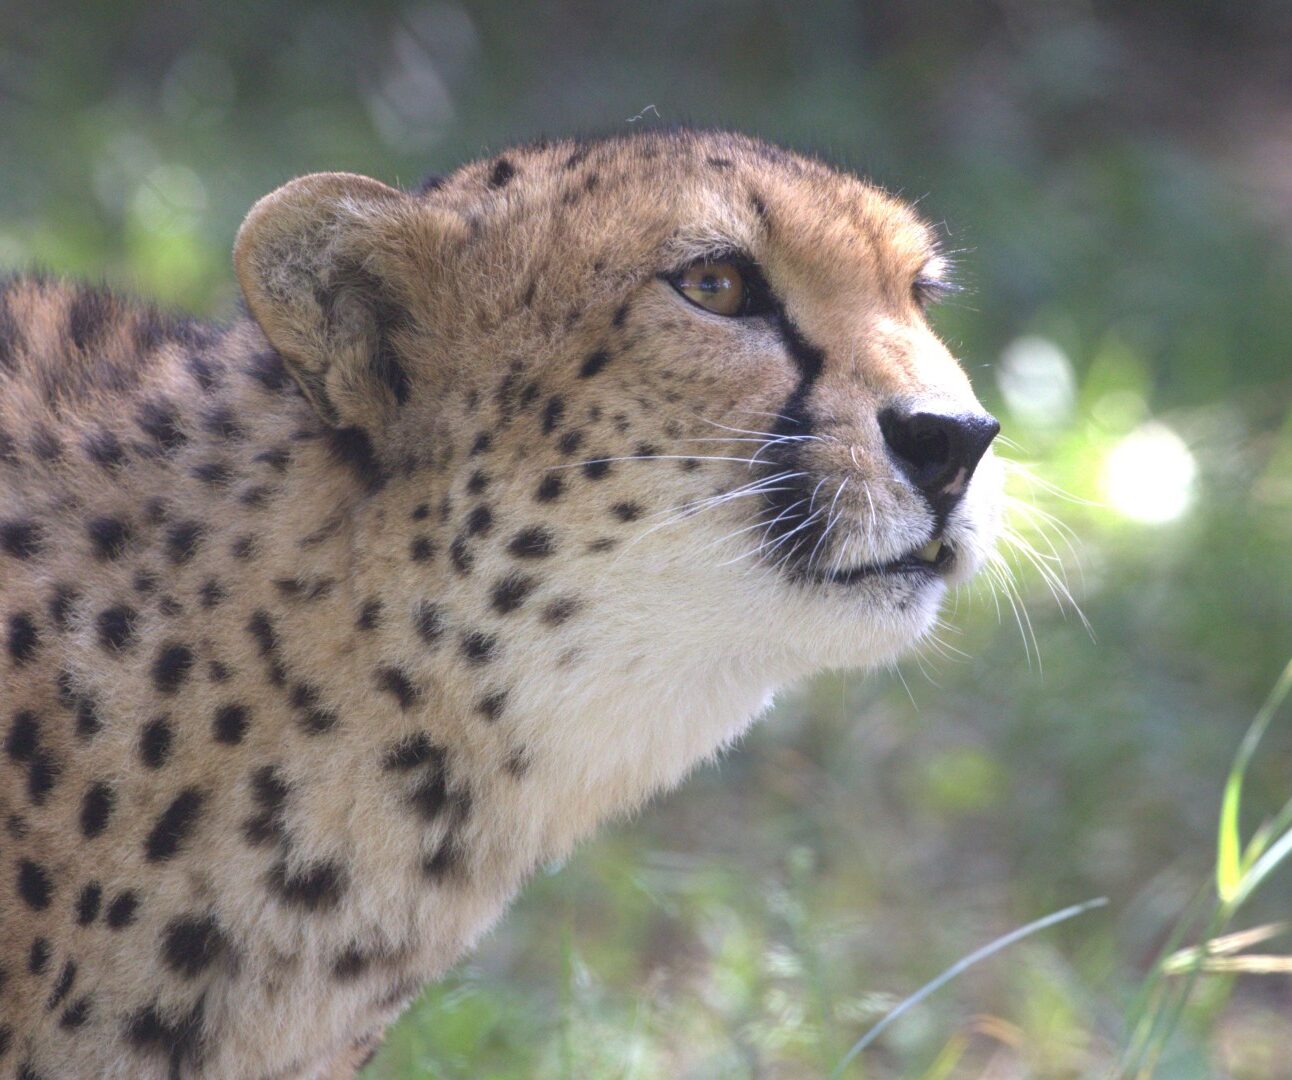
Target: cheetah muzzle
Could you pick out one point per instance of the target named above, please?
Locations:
(512, 499)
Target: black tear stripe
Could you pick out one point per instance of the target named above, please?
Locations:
(787, 509)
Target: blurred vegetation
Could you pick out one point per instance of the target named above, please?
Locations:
(1116, 180)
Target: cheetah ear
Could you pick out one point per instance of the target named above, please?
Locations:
(321, 280)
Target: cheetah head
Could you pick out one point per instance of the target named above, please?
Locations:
(683, 379)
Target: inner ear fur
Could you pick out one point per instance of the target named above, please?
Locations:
(322, 279)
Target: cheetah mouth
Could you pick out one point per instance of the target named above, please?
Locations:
(933, 559)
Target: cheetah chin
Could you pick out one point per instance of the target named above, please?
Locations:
(510, 500)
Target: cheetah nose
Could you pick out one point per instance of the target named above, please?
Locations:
(938, 452)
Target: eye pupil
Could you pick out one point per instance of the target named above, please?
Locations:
(722, 287)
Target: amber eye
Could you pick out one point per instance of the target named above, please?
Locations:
(717, 286)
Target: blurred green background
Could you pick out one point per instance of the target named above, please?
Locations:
(1117, 182)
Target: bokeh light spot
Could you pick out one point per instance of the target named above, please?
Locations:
(1036, 380)
(1149, 475)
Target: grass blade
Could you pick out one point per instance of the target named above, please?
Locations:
(960, 966)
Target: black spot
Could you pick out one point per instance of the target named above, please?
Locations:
(87, 903)
(352, 447)
(96, 809)
(169, 606)
(268, 370)
(215, 473)
(431, 795)
(559, 610)
(116, 627)
(217, 672)
(369, 615)
(553, 414)
(270, 792)
(87, 717)
(601, 545)
(350, 964)
(479, 521)
(108, 536)
(461, 556)
(121, 912)
(244, 547)
(314, 886)
(550, 489)
(429, 621)
(627, 511)
(192, 944)
(230, 724)
(42, 774)
(720, 162)
(21, 539)
(171, 667)
(257, 495)
(647, 450)
(178, 1037)
(76, 1014)
(62, 987)
(477, 482)
(87, 315)
(155, 742)
(200, 368)
(23, 638)
(532, 543)
(482, 444)
(620, 315)
(61, 601)
(298, 589)
(145, 582)
(24, 736)
(211, 593)
(501, 174)
(411, 751)
(421, 512)
(517, 763)
(570, 442)
(182, 541)
(689, 464)
(222, 423)
(104, 448)
(38, 956)
(446, 860)
(315, 719)
(509, 593)
(492, 705)
(174, 826)
(395, 681)
(479, 647)
(260, 628)
(34, 885)
(421, 549)
(595, 470)
(275, 457)
(594, 363)
(159, 421)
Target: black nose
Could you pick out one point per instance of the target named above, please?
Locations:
(938, 451)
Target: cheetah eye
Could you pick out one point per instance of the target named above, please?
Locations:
(724, 287)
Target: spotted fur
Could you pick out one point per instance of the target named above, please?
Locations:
(320, 630)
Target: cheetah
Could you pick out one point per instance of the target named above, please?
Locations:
(506, 502)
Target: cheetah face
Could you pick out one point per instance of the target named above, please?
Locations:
(703, 360)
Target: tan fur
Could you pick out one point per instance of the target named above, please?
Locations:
(319, 680)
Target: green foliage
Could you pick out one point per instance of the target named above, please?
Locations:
(1108, 180)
